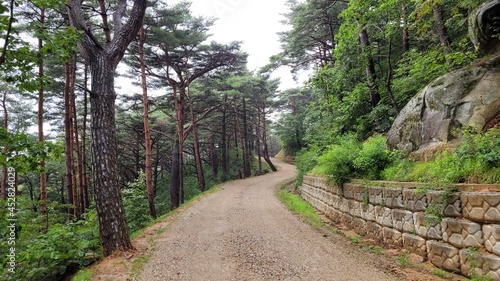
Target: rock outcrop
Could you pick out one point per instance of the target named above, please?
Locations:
(467, 97)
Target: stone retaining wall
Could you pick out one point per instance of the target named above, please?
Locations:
(460, 232)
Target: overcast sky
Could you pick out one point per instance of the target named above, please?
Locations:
(256, 23)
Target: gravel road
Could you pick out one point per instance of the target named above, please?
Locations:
(243, 232)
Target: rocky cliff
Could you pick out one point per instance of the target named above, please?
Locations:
(467, 97)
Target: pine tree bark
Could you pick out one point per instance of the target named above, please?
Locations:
(242, 140)
(265, 150)
(68, 148)
(85, 182)
(103, 60)
(174, 178)
(224, 142)
(113, 229)
(246, 166)
(41, 137)
(147, 131)
(196, 146)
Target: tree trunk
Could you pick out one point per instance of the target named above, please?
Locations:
(224, 144)
(406, 36)
(265, 151)
(442, 33)
(68, 137)
(103, 60)
(85, 182)
(242, 140)
(196, 146)
(147, 132)
(246, 151)
(113, 231)
(213, 157)
(176, 184)
(257, 131)
(174, 178)
(370, 69)
(41, 137)
(74, 138)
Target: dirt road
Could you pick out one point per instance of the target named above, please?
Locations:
(243, 232)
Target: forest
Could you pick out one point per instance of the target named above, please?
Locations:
(86, 167)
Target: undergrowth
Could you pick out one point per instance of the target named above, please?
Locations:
(476, 160)
(300, 207)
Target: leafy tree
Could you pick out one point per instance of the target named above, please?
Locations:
(103, 58)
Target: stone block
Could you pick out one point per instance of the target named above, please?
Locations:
(443, 255)
(474, 263)
(392, 236)
(359, 226)
(427, 226)
(450, 204)
(413, 201)
(402, 220)
(335, 202)
(393, 197)
(481, 206)
(354, 208)
(348, 191)
(376, 195)
(462, 233)
(346, 219)
(368, 212)
(344, 205)
(415, 244)
(491, 234)
(334, 215)
(384, 216)
(374, 231)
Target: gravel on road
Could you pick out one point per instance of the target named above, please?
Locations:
(243, 232)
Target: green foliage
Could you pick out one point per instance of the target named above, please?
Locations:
(25, 152)
(305, 161)
(476, 160)
(135, 201)
(399, 169)
(49, 254)
(297, 205)
(373, 157)
(338, 161)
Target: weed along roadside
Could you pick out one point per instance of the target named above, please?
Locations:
(453, 228)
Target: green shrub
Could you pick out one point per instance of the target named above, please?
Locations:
(305, 161)
(338, 161)
(49, 255)
(399, 169)
(373, 157)
(135, 201)
(481, 153)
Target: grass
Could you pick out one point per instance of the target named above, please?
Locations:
(138, 265)
(373, 249)
(300, 207)
(83, 275)
(439, 272)
(403, 260)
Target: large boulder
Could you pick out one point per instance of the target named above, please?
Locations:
(484, 28)
(467, 97)
(432, 120)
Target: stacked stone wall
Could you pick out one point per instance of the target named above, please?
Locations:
(455, 231)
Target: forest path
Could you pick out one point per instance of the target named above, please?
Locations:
(243, 232)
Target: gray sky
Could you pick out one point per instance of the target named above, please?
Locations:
(256, 23)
